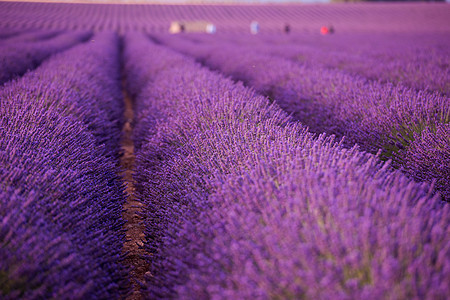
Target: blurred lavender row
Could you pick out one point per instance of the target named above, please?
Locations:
(6, 33)
(244, 203)
(60, 214)
(371, 114)
(30, 36)
(414, 60)
(17, 56)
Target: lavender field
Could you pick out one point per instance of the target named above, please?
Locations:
(294, 163)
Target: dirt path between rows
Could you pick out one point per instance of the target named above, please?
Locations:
(134, 226)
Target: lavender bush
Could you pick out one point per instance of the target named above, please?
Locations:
(60, 126)
(430, 154)
(36, 259)
(30, 36)
(371, 114)
(6, 33)
(242, 202)
(18, 57)
(415, 60)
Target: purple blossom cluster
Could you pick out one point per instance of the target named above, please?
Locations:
(23, 52)
(428, 157)
(244, 203)
(371, 114)
(61, 230)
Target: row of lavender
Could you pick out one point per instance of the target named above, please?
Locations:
(410, 126)
(24, 51)
(244, 203)
(420, 61)
(61, 197)
(12, 36)
(416, 60)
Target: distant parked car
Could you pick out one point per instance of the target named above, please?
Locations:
(192, 26)
(254, 27)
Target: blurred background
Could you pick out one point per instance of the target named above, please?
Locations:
(226, 16)
(222, 1)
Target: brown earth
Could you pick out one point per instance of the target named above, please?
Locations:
(134, 227)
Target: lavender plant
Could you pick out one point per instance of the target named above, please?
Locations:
(242, 202)
(30, 36)
(17, 58)
(60, 126)
(6, 33)
(412, 59)
(371, 114)
(36, 259)
(430, 154)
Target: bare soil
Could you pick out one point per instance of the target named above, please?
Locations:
(134, 226)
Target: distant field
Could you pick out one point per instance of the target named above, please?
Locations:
(368, 17)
